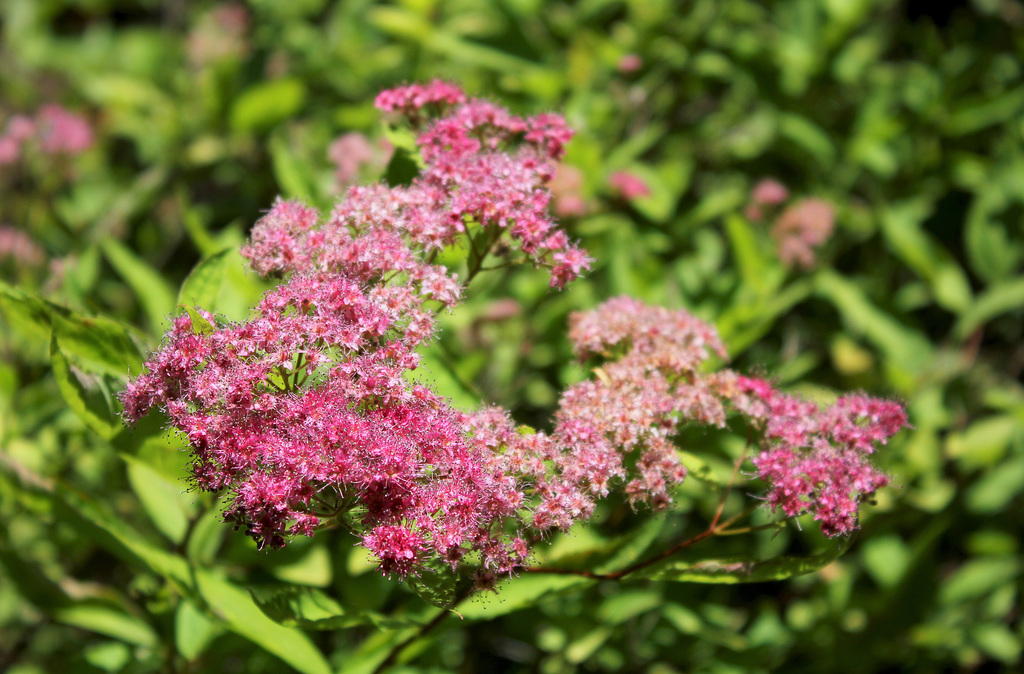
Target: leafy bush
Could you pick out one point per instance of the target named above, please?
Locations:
(202, 114)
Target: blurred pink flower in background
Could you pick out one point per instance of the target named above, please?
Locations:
(628, 185)
(767, 193)
(62, 132)
(630, 63)
(351, 152)
(567, 191)
(219, 35)
(54, 131)
(800, 229)
(19, 247)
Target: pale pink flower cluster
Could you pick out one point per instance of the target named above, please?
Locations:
(621, 426)
(353, 151)
(802, 228)
(617, 426)
(799, 229)
(53, 130)
(566, 187)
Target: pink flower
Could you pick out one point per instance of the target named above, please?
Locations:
(628, 186)
(62, 132)
(769, 192)
(800, 229)
(630, 63)
(352, 151)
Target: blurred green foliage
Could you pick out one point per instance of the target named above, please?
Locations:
(912, 127)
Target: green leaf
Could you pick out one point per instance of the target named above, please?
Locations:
(905, 348)
(203, 284)
(193, 629)
(1001, 298)
(92, 404)
(163, 501)
(292, 173)
(402, 168)
(438, 587)
(901, 225)
(239, 612)
(267, 104)
(809, 137)
(311, 609)
(626, 605)
(26, 314)
(150, 287)
(759, 272)
(101, 615)
(105, 618)
(977, 578)
(733, 570)
(519, 593)
(96, 344)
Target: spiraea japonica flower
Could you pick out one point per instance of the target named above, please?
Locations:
(303, 416)
(303, 413)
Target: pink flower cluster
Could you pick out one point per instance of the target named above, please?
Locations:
(816, 460)
(305, 417)
(20, 248)
(616, 427)
(484, 167)
(53, 130)
(801, 229)
(303, 413)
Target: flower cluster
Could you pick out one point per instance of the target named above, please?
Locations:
(801, 229)
(816, 460)
(621, 425)
(305, 417)
(53, 130)
(303, 413)
(629, 410)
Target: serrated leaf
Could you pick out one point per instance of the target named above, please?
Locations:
(439, 588)
(96, 344)
(203, 284)
(92, 405)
